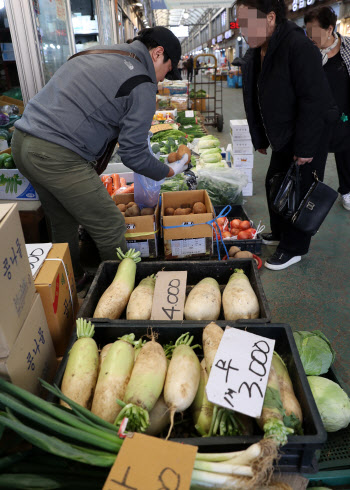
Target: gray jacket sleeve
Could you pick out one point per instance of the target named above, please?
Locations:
(134, 126)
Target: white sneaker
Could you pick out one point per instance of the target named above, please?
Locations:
(345, 199)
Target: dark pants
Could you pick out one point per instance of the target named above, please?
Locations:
(190, 75)
(71, 193)
(294, 241)
(342, 160)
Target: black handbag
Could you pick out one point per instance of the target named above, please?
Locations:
(285, 193)
(314, 207)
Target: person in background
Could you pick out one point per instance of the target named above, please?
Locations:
(180, 66)
(287, 101)
(189, 66)
(335, 50)
(90, 101)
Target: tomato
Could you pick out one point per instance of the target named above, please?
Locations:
(235, 223)
(235, 231)
(252, 232)
(243, 235)
(226, 234)
(244, 225)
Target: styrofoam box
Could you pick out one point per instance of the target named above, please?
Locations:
(242, 161)
(248, 172)
(239, 129)
(242, 147)
(248, 189)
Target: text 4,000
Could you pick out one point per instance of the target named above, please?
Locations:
(172, 298)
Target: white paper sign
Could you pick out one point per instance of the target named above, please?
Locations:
(189, 113)
(238, 377)
(37, 253)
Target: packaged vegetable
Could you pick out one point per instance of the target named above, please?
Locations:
(332, 403)
(315, 352)
(224, 185)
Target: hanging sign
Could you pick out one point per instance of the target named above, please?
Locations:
(238, 377)
(150, 463)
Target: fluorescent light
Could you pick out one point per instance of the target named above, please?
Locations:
(186, 15)
(239, 38)
(138, 4)
(2, 4)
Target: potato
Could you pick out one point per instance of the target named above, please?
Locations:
(244, 255)
(188, 211)
(123, 213)
(180, 211)
(199, 207)
(130, 204)
(172, 157)
(132, 211)
(121, 207)
(147, 211)
(169, 211)
(233, 251)
(181, 152)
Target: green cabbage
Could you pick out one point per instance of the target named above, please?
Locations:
(332, 403)
(315, 352)
(210, 151)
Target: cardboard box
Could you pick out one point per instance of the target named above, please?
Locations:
(242, 161)
(16, 282)
(242, 147)
(248, 190)
(52, 284)
(248, 172)
(239, 129)
(14, 186)
(186, 240)
(33, 354)
(141, 229)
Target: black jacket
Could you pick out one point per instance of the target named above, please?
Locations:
(289, 97)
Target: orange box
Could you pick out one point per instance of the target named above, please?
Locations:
(52, 283)
(185, 240)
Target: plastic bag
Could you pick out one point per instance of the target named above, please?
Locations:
(224, 185)
(146, 190)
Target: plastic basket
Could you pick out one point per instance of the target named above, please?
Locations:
(298, 453)
(253, 246)
(219, 270)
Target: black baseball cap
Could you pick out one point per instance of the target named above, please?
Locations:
(165, 38)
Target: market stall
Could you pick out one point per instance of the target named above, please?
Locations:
(174, 339)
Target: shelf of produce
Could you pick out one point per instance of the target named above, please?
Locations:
(299, 453)
(219, 270)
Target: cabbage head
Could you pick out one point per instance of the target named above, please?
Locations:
(332, 403)
(315, 352)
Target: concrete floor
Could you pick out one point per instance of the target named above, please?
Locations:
(313, 294)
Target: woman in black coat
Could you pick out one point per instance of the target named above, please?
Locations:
(335, 50)
(287, 99)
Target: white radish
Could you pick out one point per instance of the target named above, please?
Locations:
(204, 301)
(182, 379)
(239, 299)
(144, 388)
(159, 417)
(113, 379)
(104, 353)
(141, 300)
(212, 335)
(114, 300)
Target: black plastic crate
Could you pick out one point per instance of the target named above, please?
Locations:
(298, 454)
(253, 246)
(219, 270)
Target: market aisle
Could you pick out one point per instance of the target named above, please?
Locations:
(315, 293)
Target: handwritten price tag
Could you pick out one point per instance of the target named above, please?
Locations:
(239, 375)
(149, 463)
(169, 295)
(37, 253)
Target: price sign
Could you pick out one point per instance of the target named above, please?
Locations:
(169, 295)
(149, 463)
(238, 377)
(37, 253)
(189, 113)
(160, 127)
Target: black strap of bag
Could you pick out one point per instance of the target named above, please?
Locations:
(103, 161)
(314, 207)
